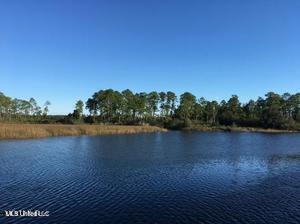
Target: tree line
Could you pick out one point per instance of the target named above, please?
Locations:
(21, 110)
(163, 109)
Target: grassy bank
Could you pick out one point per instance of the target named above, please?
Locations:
(27, 131)
(236, 129)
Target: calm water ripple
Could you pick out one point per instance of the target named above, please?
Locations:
(173, 177)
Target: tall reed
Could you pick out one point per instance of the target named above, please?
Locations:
(25, 131)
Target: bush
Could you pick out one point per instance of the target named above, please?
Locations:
(175, 124)
(65, 120)
(89, 119)
(187, 123)
(45, 121)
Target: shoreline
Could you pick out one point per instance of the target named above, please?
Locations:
(33, 131)
(238, 129)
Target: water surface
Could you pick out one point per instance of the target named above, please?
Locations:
(174, 177)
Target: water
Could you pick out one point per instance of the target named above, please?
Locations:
(174, 177)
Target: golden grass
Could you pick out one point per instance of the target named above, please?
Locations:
(26, 131)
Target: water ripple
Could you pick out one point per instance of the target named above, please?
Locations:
(162, 178)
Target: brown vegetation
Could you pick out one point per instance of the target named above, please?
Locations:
(25, 131)
(236, 129)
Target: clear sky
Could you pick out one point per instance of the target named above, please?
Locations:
(63, 50)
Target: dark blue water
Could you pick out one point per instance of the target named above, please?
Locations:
(172, 177)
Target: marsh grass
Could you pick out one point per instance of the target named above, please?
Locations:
(236, 129)
(26, 131)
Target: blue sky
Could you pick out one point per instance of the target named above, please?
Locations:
(62, 50)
